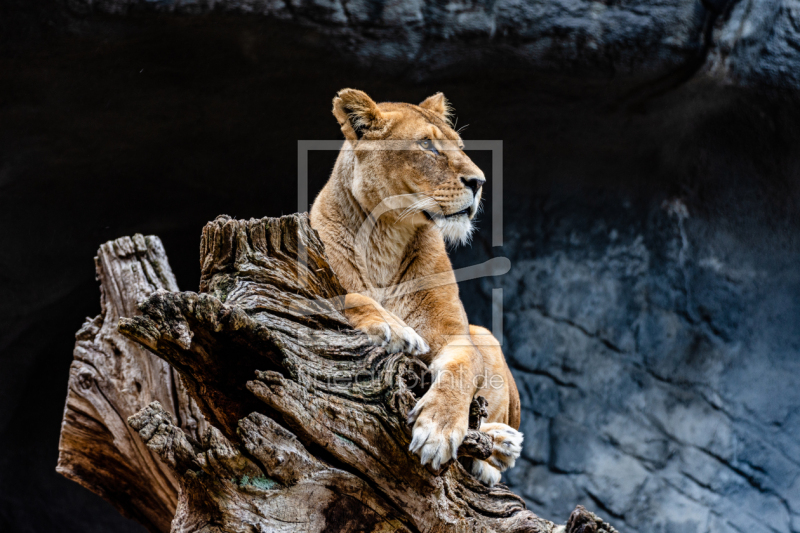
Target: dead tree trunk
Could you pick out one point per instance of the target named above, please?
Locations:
(306, 419)
(110, 379)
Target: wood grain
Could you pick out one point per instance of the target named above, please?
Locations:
(112, 378)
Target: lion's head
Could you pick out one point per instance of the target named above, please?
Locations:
(412, 155)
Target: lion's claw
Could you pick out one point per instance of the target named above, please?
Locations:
(506, 448)
(435, 439)
(397, 338)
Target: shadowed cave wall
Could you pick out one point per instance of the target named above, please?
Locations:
(650, 210)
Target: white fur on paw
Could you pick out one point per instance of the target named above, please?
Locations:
(397, 338)
(434, 445)
(405, 339)
(379, 333)
(485, 473)
(507, 445)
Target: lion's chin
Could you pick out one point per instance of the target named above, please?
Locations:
(455, 230)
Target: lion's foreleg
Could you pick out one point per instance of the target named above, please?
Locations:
(441, 416)
(498, 386)
(500, 393)
(383, 327)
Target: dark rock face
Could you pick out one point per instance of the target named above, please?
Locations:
(629, 37)
(661, 42)
(758, 44)
(668, 346)
(655, 315)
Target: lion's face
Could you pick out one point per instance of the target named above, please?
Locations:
(409, 163)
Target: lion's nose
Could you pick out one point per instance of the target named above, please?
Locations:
(473, 182)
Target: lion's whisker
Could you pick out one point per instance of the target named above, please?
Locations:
(417, 206)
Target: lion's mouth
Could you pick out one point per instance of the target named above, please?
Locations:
(462, 212)
(434, 216)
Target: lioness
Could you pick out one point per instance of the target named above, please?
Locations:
(412, 196)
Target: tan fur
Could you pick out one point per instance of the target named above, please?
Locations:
(384, 216)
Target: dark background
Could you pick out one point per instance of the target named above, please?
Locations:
(651, 220)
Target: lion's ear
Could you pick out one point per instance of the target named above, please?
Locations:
(356, 113)
(438, 104)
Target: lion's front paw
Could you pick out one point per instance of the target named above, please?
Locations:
(396, 337)
(507, 445)
(438, 431)
(485, 473)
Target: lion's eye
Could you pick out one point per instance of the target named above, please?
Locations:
(427, 144)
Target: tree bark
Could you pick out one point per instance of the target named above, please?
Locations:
(111, 378)
(306, 418)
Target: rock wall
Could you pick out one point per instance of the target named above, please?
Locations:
(654, 313)
(662, 43)
(671, 346)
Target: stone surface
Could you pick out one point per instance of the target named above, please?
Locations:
(662, 43)
(758, 43)
(657, 365)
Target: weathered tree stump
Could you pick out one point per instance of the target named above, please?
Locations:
(307, 419)
(111, 378)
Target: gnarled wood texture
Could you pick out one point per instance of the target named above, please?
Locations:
(307, 419)
(111, 378)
